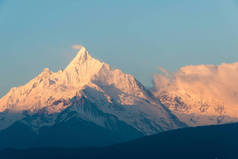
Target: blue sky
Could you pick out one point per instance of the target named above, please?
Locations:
(133, 35)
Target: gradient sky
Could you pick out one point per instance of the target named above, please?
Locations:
(133, 35)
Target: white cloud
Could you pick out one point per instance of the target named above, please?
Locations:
(207, 81)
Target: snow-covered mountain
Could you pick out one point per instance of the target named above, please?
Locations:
(87, 90)
(200, 95)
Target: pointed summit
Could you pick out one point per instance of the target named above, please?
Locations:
(82, 68)
(81, 56)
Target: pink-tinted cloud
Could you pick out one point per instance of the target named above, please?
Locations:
(208, 82)
(76, 47)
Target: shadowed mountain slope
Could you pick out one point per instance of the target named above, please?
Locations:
(210, 142)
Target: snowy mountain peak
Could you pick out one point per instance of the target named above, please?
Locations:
(87, 89)
(82, 68)
(83, 71)
(82, 56)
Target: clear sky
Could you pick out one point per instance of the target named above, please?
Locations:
(137, 36)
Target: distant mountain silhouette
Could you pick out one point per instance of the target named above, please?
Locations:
(208, 142)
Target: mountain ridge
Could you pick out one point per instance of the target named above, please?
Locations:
(87, 90)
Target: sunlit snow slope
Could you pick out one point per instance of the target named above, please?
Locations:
(91, 91)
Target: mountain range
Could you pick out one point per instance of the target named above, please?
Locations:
(90, 104)
(86, 104)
